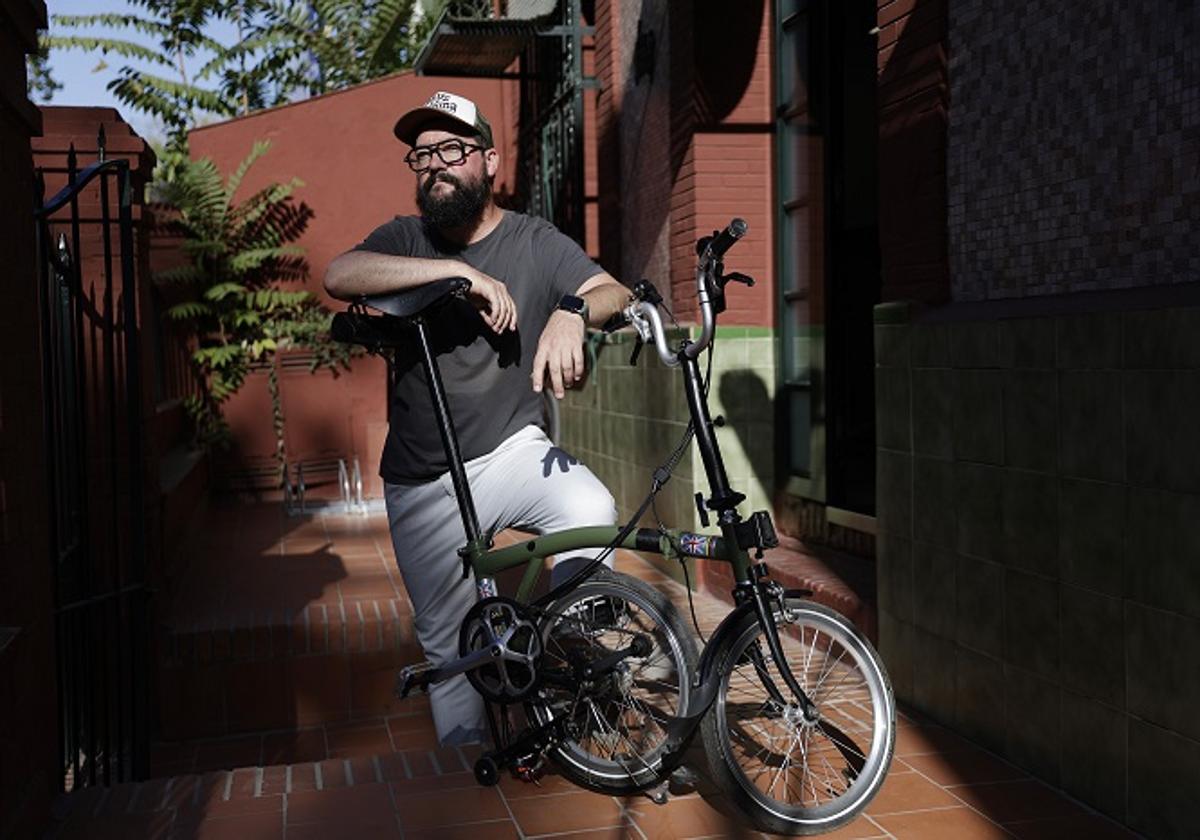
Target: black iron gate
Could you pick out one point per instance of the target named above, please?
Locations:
(95, 470)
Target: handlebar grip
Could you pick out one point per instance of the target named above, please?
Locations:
(723, 241)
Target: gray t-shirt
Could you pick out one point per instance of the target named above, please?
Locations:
(487, 376)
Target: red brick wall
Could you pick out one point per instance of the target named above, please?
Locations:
(28, 701)
(721, 131)
(913, 103)
(602, 131)
(685, 149)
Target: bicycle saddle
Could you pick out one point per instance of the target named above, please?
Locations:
(414, 301)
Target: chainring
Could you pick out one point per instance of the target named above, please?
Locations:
(506, 628)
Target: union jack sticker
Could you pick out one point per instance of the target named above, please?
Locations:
(695, 545)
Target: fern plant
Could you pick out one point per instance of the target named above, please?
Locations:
(231, 293)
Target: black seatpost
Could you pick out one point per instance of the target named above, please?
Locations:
(458, 473)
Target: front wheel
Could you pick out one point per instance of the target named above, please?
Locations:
(792, 773)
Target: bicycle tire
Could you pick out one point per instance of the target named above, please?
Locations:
(631, 755)
(851, 715)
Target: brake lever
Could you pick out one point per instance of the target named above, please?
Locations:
(644, 333)
(738, 277)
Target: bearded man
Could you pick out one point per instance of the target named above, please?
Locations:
(529, 283)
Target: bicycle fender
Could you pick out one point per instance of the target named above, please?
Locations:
(704, 683)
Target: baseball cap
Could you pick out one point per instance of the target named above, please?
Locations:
(443, 105)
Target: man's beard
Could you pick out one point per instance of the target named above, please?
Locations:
(463, 205)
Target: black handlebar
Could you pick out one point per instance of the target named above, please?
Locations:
(717, 244)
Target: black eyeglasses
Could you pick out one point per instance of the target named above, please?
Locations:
(450, 152)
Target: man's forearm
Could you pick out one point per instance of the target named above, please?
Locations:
(604, 301)
(365, 273)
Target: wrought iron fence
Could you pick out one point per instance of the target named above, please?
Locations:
(95, 470)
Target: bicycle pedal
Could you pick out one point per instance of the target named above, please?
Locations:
(414, 678)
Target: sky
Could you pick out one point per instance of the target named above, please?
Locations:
(74, 68)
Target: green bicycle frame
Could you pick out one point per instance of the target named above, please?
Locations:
(673, 544)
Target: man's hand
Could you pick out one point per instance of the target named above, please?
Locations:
(560, 349)
(493, 301)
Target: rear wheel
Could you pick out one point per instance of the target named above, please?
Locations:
(792, 773)
(616, 721)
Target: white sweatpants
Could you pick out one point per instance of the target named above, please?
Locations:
(526, 481)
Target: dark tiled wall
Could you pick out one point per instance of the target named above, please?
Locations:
(1073, 135)
(1039, 547)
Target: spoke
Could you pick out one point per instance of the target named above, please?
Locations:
(783, 765)
(812, 787)
(829, 670)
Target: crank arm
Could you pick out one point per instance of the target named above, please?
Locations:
(425, 674)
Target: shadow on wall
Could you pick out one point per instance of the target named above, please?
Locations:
(746, 403)
(913, 100)
(701, 42)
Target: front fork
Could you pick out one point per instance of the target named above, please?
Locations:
(765, 595)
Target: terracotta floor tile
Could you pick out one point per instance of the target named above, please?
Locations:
(908, 792)
(345, 828)
(498, 830)
(274, 781)
(434, 809)
(566, 812)
(358, 739)
(915, 740)
(690, 816)
(942, 824)
(228, 753)
(331, 774)
(431, 782)
(1021, 800)
(966, 767)
(448, 759)
(624, 831)
(120, 827)
(222, 808)
(303, 777)
(1089, 826)
(294, 747)
(414, 732)
(550, 784)
(860, 828)
(371, 803)
(250, 827)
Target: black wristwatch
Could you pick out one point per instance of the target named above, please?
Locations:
(575, 304)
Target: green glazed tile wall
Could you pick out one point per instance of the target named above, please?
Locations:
(625, 421)
(1039, 564)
